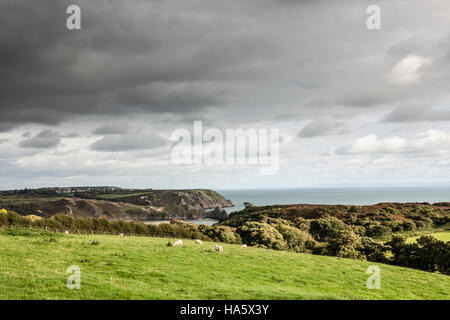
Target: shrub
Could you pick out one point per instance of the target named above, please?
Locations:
(353, 209)
(427, 254)
(3, 217)
(373, 251)
(297, 240)
(261, 235)
(66, 222)
(302, 224)
(377, 230)
(426, 211)
(359, 230)
(409, 226)
(33, 218)
(324, 229)
(346, 244)
(391, 210)
(15, 219)
(228, 236)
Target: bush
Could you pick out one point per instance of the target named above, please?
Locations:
(33, 218)
(359, 230)
(353, 209)
(426, 211)
(15, 219)
(228, 236)
(427, 254)
(391, 210)
(297, 240)
(302, 224)
(324, 229)
(373, 251)
(377, 230)
(409, 226)
(3, 217)
(261, 235)
(346, 245)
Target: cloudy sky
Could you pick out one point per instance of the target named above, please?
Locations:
(97, 106)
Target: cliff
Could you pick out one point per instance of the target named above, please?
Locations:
(132, 205)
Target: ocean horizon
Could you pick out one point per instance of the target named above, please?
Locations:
(335, 195)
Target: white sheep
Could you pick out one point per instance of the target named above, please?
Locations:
(219, 249)
(120, 234)
(66, 232)
(178, 243)
(244, 246)
(198, 241)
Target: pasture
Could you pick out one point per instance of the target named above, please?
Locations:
(33, 265)
(443, 236)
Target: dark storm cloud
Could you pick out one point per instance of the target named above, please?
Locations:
(139, 57)
(43, 140)
(190, 57)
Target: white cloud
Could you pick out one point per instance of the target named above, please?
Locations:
(406, 71)
(430, 142)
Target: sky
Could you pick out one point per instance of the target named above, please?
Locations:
(99, 105)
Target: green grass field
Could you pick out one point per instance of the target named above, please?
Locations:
(443, 236)
(108, 196)
(33, 266)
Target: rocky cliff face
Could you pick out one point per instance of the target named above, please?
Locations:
(149, 205)
(219, 213)
(196, 199)
(203, 199)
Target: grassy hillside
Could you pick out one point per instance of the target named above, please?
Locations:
(443, 236)
(33, 266)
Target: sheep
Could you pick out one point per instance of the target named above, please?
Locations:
(198, 241)
(219, 249)
(66, 232)
(120, 234)
(243, 246)
(178, 243)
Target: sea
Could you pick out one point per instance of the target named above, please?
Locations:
(356, 196)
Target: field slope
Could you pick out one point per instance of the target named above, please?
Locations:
(33, 266)
(443, 236)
